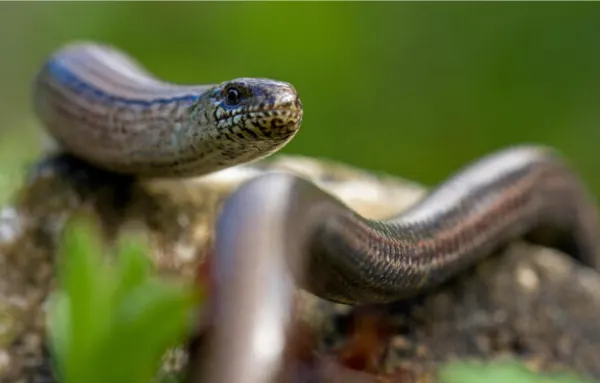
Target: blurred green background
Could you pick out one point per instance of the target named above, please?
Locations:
(415, 89)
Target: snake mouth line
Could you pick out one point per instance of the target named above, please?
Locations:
(291, 113)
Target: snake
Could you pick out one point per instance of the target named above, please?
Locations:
(278, 230)
(105, 108)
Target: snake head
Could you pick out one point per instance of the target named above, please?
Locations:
(261, 109)
(240, 121)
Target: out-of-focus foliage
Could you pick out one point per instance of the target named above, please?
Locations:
(500, 372)
(112, 321)
(415, 89)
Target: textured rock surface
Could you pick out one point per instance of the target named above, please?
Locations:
(526, 302)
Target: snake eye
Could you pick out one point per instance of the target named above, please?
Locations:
(232, 96)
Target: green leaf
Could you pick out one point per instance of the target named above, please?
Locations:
(499, 372)
(113, 322)
(134, 267)
(59, 321)
(86, 282)
(151, 319)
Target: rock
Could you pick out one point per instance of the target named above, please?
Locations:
(526, 302)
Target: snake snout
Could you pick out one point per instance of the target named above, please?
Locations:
(277, 110)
